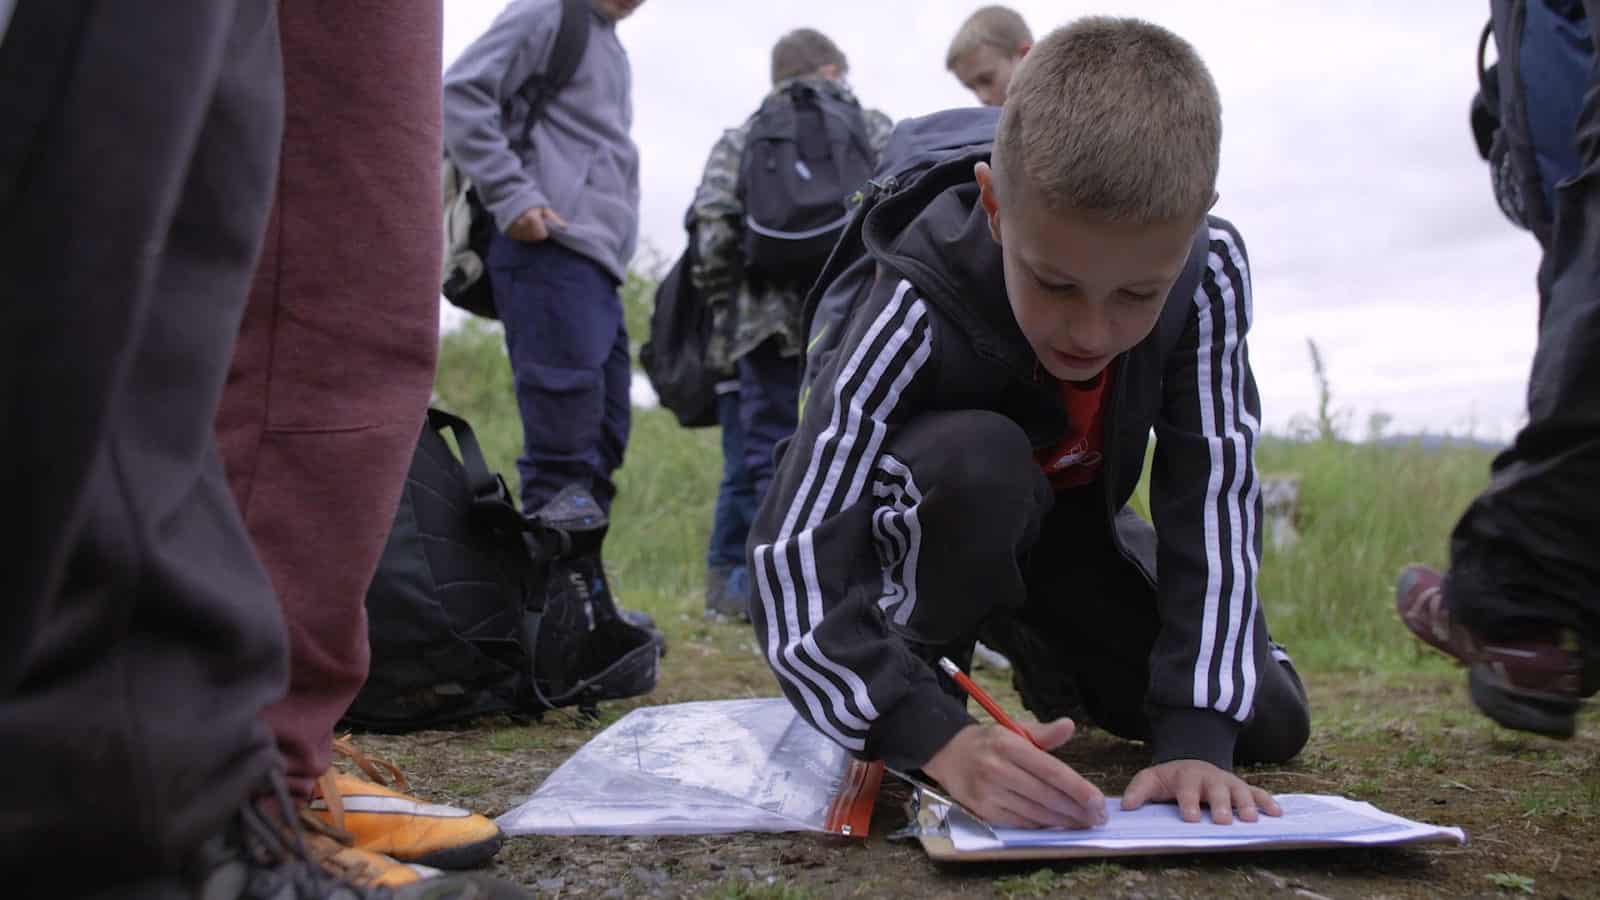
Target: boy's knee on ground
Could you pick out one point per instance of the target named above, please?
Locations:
(1282, 724)
(969, 461)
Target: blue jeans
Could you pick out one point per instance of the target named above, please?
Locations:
(736, 496)
(769, 409)
(569, 356)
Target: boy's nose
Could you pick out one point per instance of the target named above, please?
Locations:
(1087, 333)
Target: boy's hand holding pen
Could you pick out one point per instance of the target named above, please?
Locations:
(1005, 774)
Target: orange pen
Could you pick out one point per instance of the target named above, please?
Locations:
(984, 700)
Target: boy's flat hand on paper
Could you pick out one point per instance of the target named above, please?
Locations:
(1193, 782)
(997, 774)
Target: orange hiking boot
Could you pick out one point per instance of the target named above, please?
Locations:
(381, 818)
(334, 852)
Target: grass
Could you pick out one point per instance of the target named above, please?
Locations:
(1392, 724)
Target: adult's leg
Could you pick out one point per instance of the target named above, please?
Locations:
(142, 639)
(1523, 559)
(335, 358)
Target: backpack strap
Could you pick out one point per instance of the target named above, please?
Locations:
(492, 504)
(572, 40)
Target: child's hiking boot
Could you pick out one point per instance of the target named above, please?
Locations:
(1532, 684)
(264, 853)
(381, 818)
(727, 594)
(598, 584)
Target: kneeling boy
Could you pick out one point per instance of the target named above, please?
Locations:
(975, 423)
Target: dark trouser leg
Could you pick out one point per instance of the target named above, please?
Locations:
(141, 638)
(769, 409)
(618, 421)
(335, 358)
(957, 500)
(568, 348)
(736, 499)
(1524, 555)
(1097, 614)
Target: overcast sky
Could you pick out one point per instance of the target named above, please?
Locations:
(1346, 162)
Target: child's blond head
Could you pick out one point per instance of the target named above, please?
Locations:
(1113, 119)
(1000, 27)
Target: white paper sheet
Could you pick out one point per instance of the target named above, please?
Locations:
(1308, 819)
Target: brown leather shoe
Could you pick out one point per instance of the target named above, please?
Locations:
(1532, 684)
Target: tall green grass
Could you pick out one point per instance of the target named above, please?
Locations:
(1365, 511)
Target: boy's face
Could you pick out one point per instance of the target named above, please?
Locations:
(986, 71)
(617, 10)
(1082, 291)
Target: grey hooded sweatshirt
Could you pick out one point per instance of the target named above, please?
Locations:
(579, 159)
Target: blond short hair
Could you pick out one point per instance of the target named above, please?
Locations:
(1000, 27)
(802, 52)
(1115, 118)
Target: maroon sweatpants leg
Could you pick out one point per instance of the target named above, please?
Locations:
(335, 359)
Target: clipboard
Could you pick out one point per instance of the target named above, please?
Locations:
(930, 812)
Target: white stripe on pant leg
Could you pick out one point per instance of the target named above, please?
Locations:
(912, 525)
(886, 528)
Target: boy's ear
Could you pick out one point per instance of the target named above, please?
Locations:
(1213, 204)
(1022, 49)
(988, 197)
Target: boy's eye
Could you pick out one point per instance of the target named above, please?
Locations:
(1054, 287)
(1139, 296)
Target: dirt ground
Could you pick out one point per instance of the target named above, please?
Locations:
(1410, 743)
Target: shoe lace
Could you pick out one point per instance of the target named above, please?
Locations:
(276, 848)
(378, 771)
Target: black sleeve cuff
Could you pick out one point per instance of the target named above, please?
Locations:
(906, 736)
(1189, 733)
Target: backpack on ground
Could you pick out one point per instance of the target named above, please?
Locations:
(476, 609)
(674, 355)
(806, 153)
(468, 225)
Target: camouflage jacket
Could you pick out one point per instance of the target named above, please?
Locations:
(744, 314)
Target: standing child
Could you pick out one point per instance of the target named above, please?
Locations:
(986, 50)
(763, 233)
(976, 423)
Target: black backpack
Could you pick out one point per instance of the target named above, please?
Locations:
(468, 226)
(806, 153)
(477, 609)
(674, 356)
(914, 147)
